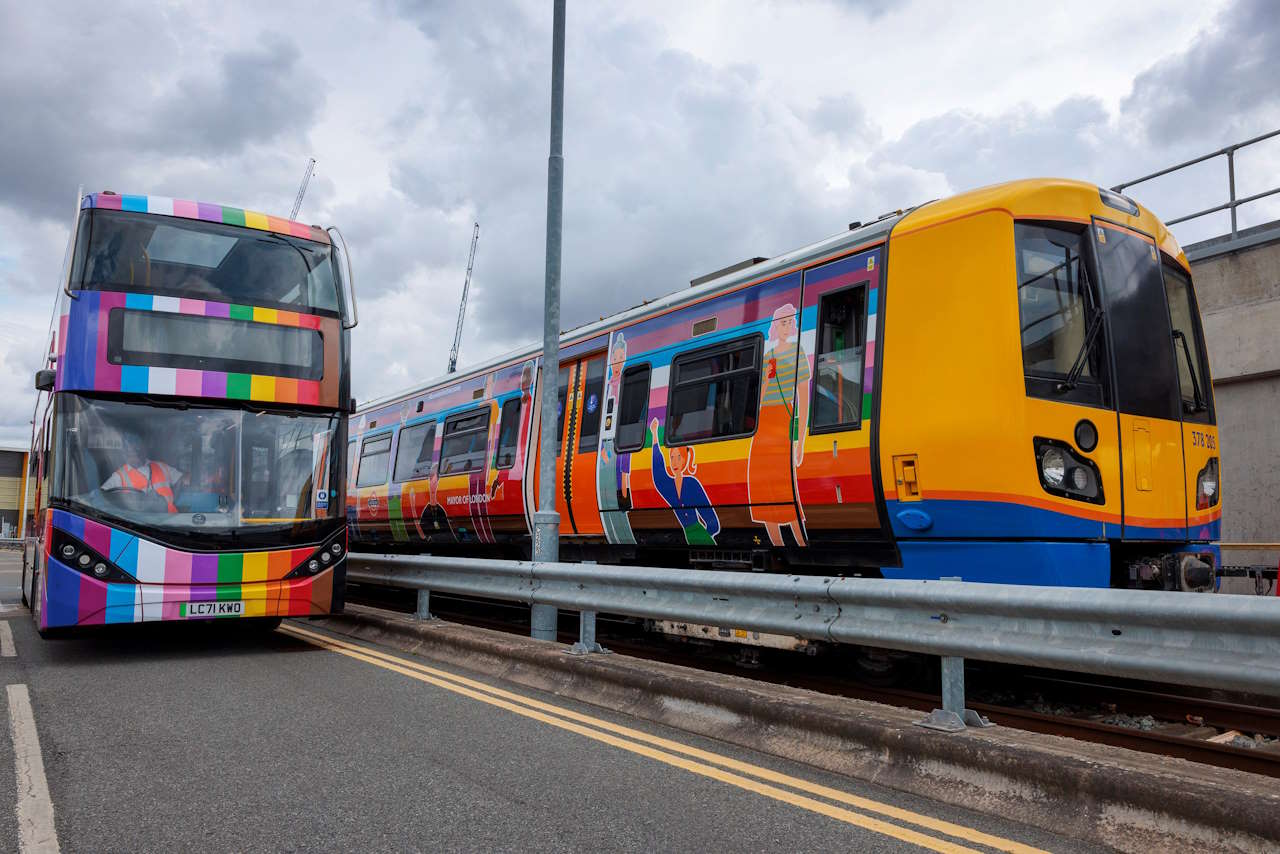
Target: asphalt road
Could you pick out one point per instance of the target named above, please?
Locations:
(199, 737)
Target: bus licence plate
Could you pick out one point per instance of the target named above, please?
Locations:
(212, 609)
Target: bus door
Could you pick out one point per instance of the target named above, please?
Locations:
(833, 477)
(1146, 378)
(580, 393)
(372, 470)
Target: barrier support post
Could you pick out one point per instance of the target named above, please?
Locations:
(424, 606)
(586, 635)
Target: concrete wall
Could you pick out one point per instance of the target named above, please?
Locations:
(1238, 286)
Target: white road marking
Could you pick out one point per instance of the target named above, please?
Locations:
(36, 833)
(6, 641)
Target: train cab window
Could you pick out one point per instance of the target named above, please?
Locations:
(592, 403)
(1060, 315)
(375, 458)
(463, 447)
(508, 433)
(1188, 346)
(416, 452)
(633, 408)
(715, 392)
(351, 463)
(841, 346)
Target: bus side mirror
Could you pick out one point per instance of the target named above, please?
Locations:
(45, 379)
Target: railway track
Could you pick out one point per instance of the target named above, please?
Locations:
(1161, 719)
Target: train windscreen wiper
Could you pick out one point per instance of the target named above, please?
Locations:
(1082, 358)
(1199, 403)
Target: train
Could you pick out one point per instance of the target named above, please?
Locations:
(1009, 385)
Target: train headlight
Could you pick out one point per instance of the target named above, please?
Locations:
(1066, 473)
(1080, 479)
(313, 565)
(1053, 466)
(100, 569)
(1207, 485)
(68, 551)
(84, 560)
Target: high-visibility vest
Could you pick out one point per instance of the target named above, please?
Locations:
(158, 482)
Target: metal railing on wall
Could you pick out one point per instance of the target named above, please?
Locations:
(1232, 202)
(1203, 640)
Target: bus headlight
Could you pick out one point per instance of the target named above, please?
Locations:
(1207, 485)
(1065, 473)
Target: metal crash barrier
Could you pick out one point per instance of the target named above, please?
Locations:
(1203, 640)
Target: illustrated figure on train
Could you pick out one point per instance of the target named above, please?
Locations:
(781, 431)
(683, 492)
(613, 469)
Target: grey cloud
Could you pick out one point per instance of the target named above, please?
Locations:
(1221, 89)
(255, 96)
(81, 107)
(973, 150)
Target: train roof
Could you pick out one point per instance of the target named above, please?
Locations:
(163, 206)
(838, 244)
(1028, 197)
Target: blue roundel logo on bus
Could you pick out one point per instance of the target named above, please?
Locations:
(373, 502)
(593, 403)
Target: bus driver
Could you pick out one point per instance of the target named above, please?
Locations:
(142, 476)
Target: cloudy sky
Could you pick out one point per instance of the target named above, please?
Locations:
(697, 134)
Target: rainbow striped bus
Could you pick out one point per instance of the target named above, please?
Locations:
(191, 419)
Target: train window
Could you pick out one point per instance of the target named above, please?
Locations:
(375, 458)
(1188, 346)
(1060, 314)
(508, 433)
(841, 346)
(416, 452)
(562, 391)
(463, 447)
(592, 403)
(351, 463)
(633, 408)
(715, 392)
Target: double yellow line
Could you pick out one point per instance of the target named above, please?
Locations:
(762, 781)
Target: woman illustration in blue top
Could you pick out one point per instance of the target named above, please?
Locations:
(683, 493)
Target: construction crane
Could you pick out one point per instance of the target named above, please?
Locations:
(302, 190)
(462, 307)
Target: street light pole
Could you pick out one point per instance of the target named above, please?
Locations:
(546, 521)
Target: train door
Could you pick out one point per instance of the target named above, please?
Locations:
(833, 477)
(1146, 375)
(372, 471)
(582, 400)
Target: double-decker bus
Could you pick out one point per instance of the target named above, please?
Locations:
(191, 419)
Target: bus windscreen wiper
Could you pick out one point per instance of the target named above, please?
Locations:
(1082, 358)
(1199, 403)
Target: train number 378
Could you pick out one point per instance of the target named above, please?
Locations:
(1203, 440)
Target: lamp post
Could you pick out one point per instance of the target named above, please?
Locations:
(546, 521)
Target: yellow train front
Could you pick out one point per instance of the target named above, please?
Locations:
(1058, 432)
(1009, 385)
